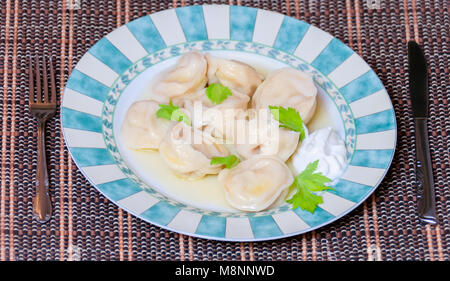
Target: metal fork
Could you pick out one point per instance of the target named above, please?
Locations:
(42, 106)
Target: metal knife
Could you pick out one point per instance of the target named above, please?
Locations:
(418, 89)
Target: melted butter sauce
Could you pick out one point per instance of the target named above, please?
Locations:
(206, 193)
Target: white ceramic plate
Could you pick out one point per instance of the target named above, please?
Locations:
(116, 70)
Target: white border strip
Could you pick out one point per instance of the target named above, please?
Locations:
(103, 174)
(138, 202)
(169, 27)
(94, 68)
(185, 221)
(217, 21)
(334, 204)
(238, 228)
(125, 42)
(378, 140)
(352, 68)
(82, 138)
(371, 104)
(312, 44)
(266, 28)
(363, 175)
(82, 103)
(289, 222)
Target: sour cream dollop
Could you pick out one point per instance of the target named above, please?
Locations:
(326, 146)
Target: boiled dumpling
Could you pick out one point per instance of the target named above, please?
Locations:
(233, 74)
(188, 75)
(288, 87)
(189, 151)
(141, 128)
(256, 183)
(255, 139)
(214, 118)
(284, 147)
(236, 101)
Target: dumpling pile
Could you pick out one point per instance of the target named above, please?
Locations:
(206, 110)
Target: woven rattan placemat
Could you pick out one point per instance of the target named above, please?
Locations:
(86, 226)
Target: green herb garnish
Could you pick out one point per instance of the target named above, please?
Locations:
(173, 113)
(306, 183)
(229, 161)
(217, 93)
(288, 118)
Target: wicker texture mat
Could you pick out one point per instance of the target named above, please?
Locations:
(86, 226)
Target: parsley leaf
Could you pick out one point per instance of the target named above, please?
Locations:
(173, 113)
(288, 118)
(306, 183)
(229, 161)
(217, 93)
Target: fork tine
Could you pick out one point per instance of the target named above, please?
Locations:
(30, 81)
(45, 79)
(52, 81)
(38, 81)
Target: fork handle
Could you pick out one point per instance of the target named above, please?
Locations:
(42, 208)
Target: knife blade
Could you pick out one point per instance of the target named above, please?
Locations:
(418, 89)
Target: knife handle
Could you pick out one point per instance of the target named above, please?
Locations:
(426, 203)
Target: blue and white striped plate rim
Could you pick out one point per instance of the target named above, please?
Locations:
(101, 67)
